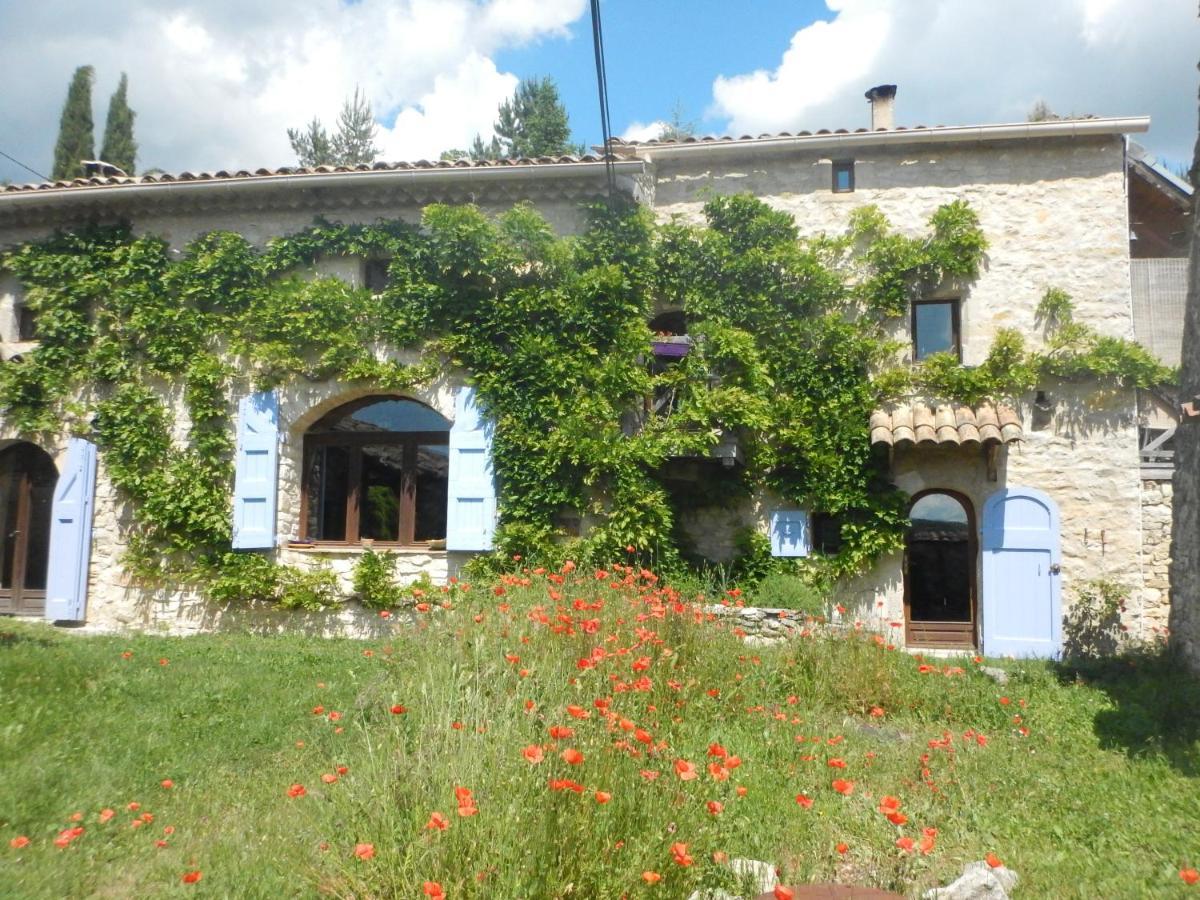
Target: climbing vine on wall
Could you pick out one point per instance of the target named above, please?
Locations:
(790, 351)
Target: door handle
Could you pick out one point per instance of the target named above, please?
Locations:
(1055, 569)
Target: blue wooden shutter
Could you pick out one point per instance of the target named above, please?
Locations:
(71, 534)
(254, 480)
(789, 532)
(471, 514)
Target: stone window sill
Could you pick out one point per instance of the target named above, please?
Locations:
(358, 549)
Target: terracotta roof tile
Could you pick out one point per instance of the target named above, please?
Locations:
(292, 171)
(922, 422)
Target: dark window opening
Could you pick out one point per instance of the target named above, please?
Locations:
(936, 328)
(377, 470)
(826, 533)
(376, 275)
(843, 177)
(670, 324)
(26, 324)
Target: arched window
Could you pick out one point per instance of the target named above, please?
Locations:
(27, 480)
(376, 469)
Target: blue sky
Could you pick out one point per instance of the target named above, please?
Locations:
(662, 53)
(217, 83)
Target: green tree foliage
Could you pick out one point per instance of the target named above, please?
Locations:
(119, 146)
(533, 122)
(352, 144)
(76, 139)
(679, 127)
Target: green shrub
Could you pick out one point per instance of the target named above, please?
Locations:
(783, 590)
(311, 590)
(374, 580)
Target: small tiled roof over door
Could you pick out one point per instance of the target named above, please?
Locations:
(920, 422)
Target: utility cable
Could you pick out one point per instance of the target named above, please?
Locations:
(602, 85)
(23, 166)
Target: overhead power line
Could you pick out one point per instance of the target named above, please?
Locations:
(602, 84)
(23, 166)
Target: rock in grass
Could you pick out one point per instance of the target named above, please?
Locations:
(979, 881)
(762, 875)
(997, 675)
(712, 894)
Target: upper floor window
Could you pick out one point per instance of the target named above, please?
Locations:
(376, 469)
(26, 324)
(935, 328)
(843, 176)
(375, 275)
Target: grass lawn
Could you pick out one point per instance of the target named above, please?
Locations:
(577, 736)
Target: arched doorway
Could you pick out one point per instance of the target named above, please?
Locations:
(939, 571)
(27, 479)
(376, 469)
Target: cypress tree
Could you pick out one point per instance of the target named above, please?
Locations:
(76, 140)
(119, 147)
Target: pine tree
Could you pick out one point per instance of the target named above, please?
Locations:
(76, 140)
(679, 127)
(354, 142)
(534, 122)
(119, 147)
(312, 145)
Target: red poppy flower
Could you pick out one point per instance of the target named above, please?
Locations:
(128, 654)
(167, 784)
(329, 778)
(685, 770)
(561, 732)
(399, 710)
(717, 750)
(718, 772)
(578, 712)
(927, 844)
(342, 770)
(437, 822)
(804, 801)
(105, 815)
(603, 797)
(648, 774)
(19, 842)
(993, 860)
(836, 763)
(715, 807)
(191, 877)
(846, 788)
(784, 893)
(433, 890)
(889, 804)
(1189, 876)
(680, 854)
(842, 848)
(364, 851)
(897, 818)
(533, 754)
(296, 790)
(572, 757)
(651, 877)
(905, 844)
(160, 843)
(741, 791)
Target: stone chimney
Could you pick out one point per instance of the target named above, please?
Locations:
(883, 106)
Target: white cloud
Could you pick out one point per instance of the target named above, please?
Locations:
(216, 84)
(967, 62)
(649, 131)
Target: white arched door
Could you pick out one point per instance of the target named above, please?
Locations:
(1022, 606)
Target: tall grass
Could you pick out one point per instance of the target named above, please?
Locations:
(451, 703)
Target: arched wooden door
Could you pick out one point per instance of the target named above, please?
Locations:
(939, 571)
(1022, 606)
(27, 480)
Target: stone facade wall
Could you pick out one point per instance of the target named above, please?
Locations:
(1153, 608)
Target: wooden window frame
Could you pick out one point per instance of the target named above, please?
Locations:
(353, 442)
(955, 304)
(842, 165)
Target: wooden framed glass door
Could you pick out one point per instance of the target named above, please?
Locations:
(27, 480)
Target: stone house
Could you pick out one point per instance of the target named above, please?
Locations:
(1013, 509)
